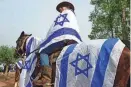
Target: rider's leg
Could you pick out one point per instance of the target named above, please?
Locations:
(46, 69)
(44, 76)
(44, 59)
(44, 63)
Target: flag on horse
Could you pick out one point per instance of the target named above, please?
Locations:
(19, 64)
(89, 65)
(30, 62)
(64, 27)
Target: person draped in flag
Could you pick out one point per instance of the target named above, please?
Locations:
(63, 32)
(63, 7)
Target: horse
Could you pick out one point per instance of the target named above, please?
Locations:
(122, 74)
(21, 52)
(127, 43)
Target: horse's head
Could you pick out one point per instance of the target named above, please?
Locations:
(21, 43)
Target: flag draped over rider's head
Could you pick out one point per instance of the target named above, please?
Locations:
(64, 27)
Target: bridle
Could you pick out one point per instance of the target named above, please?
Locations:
(23, 46)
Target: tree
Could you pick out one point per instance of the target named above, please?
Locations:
(7, 56)
(110, 18)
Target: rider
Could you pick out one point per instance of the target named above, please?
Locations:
(43, 78)
(64, 6)
(44, 58)
(61, 7)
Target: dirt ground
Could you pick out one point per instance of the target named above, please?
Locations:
(7, 81)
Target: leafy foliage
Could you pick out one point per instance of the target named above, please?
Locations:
(7, 54)
(110, 18)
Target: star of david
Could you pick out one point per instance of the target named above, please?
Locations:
(27, 65)
(78, 70)
(60, 22)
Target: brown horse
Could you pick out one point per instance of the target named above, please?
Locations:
(43, 70)
(21, 52)
(123, 69)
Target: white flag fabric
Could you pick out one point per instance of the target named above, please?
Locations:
(89, 65)
(64, 27)
(19, 64)
(30, 62)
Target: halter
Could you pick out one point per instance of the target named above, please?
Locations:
(22, 48)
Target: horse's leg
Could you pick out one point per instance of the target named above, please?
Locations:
(53, 73)
(123, 69)
(17, 75)
(16, 84)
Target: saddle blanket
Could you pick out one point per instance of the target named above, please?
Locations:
(89, 65)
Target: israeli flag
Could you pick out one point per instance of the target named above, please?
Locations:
(30, 62)
(64, 27)
(19, 64)
(89, 65)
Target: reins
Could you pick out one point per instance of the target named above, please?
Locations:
(32, 51)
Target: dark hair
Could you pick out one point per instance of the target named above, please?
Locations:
(69, 9)
(65, 4)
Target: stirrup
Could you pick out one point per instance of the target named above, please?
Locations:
(49, 84)
(46, 77)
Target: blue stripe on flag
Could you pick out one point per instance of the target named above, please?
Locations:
(33, 61)
(60, 32)
(28, 64)
(64, 65)
(28, 47)
(28, 69)
(50, 48)
(29, 84)
(102, 62)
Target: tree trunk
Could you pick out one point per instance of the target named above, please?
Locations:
(6, 70)
(124, 30)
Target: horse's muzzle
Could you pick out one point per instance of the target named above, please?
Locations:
(18, 52)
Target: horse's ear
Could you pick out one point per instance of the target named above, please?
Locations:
(22, 33)
(30, 34)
